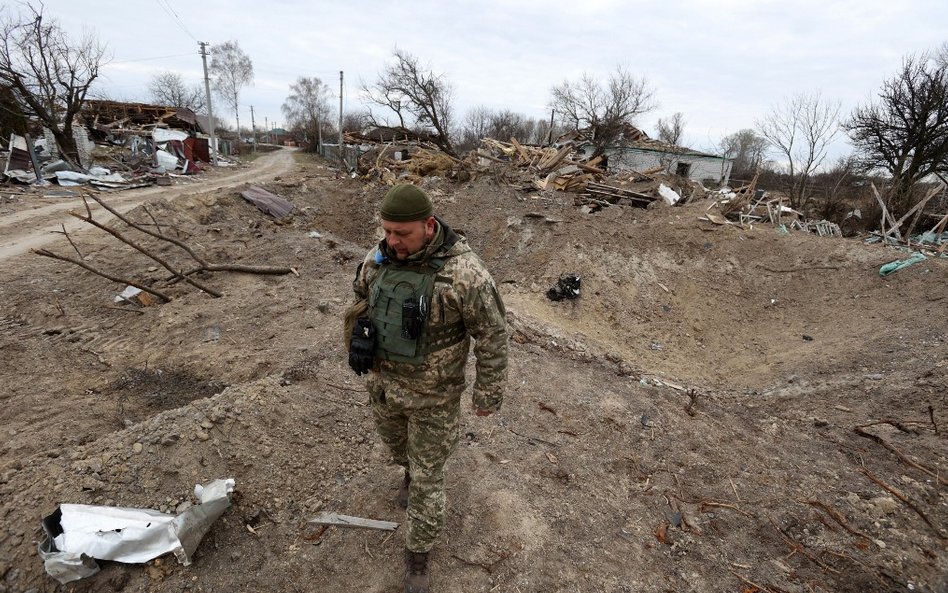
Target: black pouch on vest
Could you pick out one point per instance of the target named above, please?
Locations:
(414, 312)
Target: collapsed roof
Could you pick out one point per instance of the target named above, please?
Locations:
(110, 116)
(633, 138)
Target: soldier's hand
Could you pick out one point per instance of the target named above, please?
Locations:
(480, 412)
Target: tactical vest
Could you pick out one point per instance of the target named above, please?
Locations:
(391, 288)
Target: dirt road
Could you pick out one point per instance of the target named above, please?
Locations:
(30, 229)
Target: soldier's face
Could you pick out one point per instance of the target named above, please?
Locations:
(407, 238)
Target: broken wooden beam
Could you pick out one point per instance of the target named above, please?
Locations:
(330, 518)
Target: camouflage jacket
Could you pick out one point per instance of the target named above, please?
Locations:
(463, 292)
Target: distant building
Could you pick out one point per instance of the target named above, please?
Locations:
(280, 137)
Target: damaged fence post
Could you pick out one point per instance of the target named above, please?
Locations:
(33, 159)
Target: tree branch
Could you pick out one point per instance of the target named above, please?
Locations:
(82, 264)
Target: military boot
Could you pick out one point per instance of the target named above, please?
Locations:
(416, 572)
(402, 497)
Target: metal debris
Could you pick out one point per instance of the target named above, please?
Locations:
(78, 534)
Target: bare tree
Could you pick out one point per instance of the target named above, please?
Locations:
(670, 130)
(48, 73)
(354, 121)
(505, 124)
(747, 149)
(169, 88)
(475, 127)
(12, 118)
(482, 122)
(307, 107)
(414, 91)
(231, 70)
(835, 186)
(727, 148)
(905, 133)
(604, 108)
(801, 129)
(544, 131)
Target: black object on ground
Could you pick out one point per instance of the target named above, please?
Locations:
(567, 287)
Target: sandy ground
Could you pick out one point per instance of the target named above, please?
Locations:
(722, 409)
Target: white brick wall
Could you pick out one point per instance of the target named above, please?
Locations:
(699, 167)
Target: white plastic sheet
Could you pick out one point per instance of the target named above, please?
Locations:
(76, 534)
(71, 178)
(164, 135)
(167, 160)
(668, 194)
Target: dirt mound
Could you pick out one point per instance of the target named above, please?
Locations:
(721, 409)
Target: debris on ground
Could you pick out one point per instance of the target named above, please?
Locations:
(678, 394)
(390, 156)
(76, 535)
(566, 287)
(329, 518)
(121, 145)
(747, 205)
(900, 264)
(266, 202)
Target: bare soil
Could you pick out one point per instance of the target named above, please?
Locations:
(688, 424)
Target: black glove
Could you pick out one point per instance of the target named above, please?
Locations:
(362, 346)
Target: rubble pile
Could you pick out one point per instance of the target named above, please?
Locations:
(563, 168)
(391, 155)
(543, 168)
(121, 146)
(747, 205)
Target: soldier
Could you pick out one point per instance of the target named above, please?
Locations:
(422, 294)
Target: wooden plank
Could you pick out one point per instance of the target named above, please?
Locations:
(939, 227)
(885, 216)
(329, 518)
(557, 158)
(491, 158)
(520, 149)
(587, 166)
(934, 192)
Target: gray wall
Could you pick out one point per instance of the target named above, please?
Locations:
(699, 167)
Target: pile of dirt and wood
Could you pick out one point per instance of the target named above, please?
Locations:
(390, 158)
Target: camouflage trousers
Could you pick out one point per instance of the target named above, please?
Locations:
(421, 440)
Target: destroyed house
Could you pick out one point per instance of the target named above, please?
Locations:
(635, 151)
(111, 117)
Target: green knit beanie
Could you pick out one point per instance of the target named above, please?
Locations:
(405, 203)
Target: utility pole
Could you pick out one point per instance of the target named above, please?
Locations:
(340, 109)
(266, 124)
(549, 136)
(253, 131)
(342, 148)
(210, 111)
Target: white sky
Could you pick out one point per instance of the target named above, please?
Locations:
(722, 63)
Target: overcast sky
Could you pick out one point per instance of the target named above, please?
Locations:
(722, 63)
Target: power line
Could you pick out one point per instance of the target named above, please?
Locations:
(154, 58)
(164, 4)
(268, 67)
